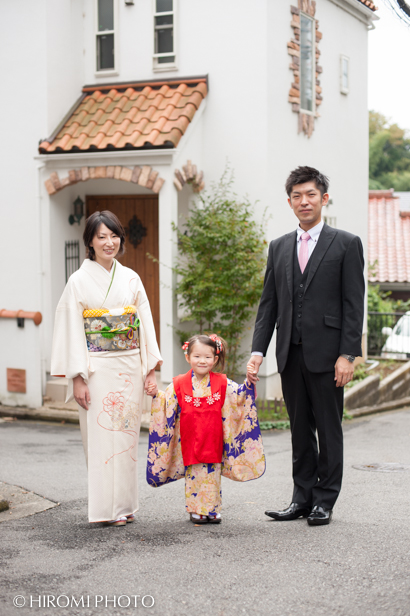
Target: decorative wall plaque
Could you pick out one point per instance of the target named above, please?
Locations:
(16, 380)
(136, 231)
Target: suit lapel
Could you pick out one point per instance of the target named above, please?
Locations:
(326, 237)
(290, 242)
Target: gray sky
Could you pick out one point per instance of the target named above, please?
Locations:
(389, 73)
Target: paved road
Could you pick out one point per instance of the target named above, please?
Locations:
(357, 566)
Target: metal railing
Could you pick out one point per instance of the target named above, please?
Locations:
(388, 334)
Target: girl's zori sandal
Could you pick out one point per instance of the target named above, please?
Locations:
(214, 518)
(196, 518)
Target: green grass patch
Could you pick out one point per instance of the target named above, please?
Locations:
(274, 425)
(272, 415)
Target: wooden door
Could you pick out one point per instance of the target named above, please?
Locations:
(139, 216)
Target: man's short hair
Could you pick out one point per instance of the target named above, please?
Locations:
(307, 174)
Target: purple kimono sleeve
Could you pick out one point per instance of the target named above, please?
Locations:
(164, 461)
(243, 456)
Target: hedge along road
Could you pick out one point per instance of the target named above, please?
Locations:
(356, 566)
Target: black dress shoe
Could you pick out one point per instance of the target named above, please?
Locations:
(319, 516)
(293, 512)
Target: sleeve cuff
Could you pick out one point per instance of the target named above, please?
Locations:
(257, 353)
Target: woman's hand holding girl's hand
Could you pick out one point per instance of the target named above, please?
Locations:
(151, 390)
(150, 385)
(81, 392)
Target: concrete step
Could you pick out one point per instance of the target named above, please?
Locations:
(56, 389)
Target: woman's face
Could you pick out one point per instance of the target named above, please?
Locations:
(106, 244)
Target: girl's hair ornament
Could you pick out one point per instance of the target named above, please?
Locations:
(218, 343)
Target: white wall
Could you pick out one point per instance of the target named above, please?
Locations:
(23, 113)
(242, 46)
(339, 144)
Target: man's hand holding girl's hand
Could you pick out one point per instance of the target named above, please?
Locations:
(252, 368)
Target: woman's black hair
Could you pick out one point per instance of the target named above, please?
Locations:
(205, 339)
(92, 224)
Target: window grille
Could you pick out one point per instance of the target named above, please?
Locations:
(72, 258)
(164, 32)
(344, 74)
(307, 51)
(105, 35)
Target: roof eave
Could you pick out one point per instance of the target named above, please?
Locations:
(358, 10)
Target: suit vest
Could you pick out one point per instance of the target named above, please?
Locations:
(299, 284)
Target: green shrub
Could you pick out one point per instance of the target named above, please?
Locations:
(220, 268)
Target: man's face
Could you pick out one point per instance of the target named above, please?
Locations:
(307, 202)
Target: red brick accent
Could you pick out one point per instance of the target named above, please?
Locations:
(306, 122)
(147, 177)
(189, 175)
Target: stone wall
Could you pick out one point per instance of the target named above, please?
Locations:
(372, 391)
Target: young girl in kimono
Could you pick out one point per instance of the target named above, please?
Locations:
(104, 343)
(203, 426)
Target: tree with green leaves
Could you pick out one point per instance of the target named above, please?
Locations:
(220, 267)
(389, 154)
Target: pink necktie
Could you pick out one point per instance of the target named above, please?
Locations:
(304, 251)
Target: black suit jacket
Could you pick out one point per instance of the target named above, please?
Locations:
(333, 305)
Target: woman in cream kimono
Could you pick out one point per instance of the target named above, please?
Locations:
(105, 344)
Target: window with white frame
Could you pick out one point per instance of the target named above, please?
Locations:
(105, 35)
(307, 63)
(164, 34)
(344, 74)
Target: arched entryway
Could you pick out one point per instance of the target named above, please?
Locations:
(139, 216)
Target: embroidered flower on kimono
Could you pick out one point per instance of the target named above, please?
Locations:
(114, 402)
(197, 402)
(188, 399)
(97, 325)
(217, 396)
(210, 399)
(122, 344)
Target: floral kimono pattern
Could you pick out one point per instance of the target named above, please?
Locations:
(243, 458)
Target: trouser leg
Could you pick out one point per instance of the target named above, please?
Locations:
(203, 493)
(327, 405)
(303, 427)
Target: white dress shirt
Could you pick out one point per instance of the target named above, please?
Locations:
(314, 233)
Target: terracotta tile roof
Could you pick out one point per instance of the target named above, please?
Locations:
(389, 238)
(369, 4)
(129, 116)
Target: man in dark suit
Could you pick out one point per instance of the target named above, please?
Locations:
(314, 294)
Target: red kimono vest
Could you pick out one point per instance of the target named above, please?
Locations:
(201, 420)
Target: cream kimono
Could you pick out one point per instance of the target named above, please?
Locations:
(110, 428)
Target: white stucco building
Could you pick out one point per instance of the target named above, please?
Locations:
(122, 93)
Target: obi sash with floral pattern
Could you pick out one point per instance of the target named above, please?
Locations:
(111, 330)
